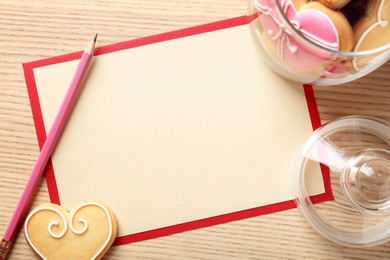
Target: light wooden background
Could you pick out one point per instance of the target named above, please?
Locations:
(31, 30)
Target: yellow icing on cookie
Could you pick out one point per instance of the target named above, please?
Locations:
(85, 233)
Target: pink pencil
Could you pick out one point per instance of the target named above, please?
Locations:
(47, 149)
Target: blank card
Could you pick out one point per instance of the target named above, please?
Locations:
(175, 131)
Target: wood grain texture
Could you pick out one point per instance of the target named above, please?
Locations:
(31, 30)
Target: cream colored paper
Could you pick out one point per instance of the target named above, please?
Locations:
(177, 131)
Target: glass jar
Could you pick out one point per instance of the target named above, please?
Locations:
(354, 154)
(304, 46)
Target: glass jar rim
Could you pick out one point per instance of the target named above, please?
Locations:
(352, 54)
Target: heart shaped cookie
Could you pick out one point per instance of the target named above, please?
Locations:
(313, 24)
(85, 233)
(372, 31)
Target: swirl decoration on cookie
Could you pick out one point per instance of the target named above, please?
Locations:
(81, 220)
(312, 24)
(284, 33)
(41, 216)
(53, 223)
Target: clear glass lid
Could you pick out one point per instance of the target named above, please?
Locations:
(355, 154)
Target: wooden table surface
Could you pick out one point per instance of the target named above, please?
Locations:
(31, 30)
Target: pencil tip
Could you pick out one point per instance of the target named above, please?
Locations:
(94, 39)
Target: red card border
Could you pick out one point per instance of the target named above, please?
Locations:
(49, 171)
